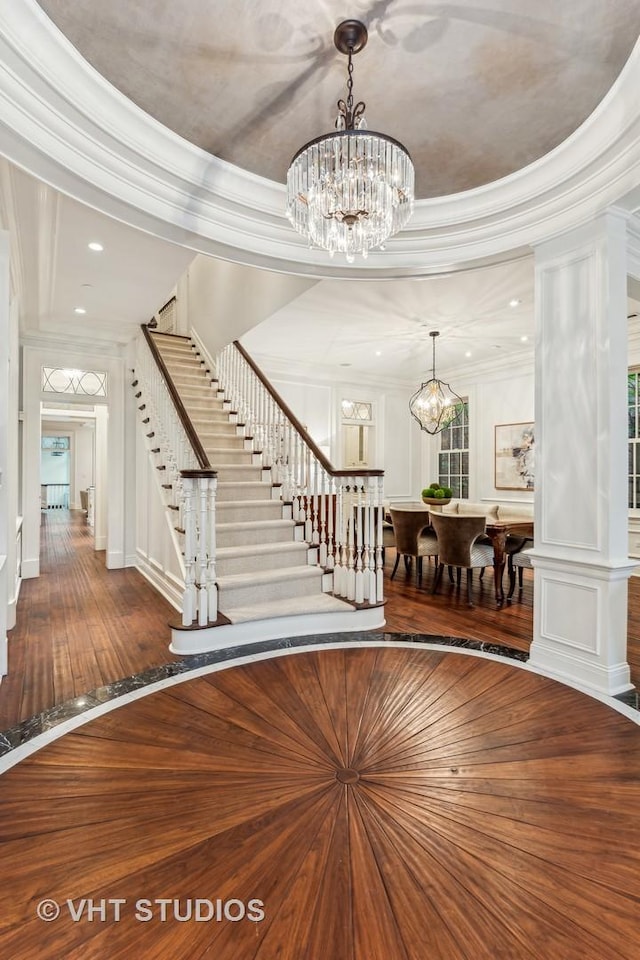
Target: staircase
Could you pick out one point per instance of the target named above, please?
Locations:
(268, 577)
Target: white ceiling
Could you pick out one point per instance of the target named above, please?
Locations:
(381, 328)
(119, 288)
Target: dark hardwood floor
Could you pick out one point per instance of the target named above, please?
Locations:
(81, 626)
(378, 803)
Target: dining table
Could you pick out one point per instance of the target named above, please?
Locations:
(498, 532)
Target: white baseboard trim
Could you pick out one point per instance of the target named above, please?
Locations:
(163, 582)
(250, 631)
(30, 568)
(563, 664)
(115, 560)
(12, 607)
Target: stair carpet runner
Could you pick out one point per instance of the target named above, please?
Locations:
(264, 568)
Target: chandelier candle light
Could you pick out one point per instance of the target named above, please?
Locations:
(350, 190)
(435, 406)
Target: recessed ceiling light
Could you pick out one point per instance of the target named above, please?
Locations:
(378, 353)
(97, 247)
(468, 353)
(514, 302)
(79, 310)
(524, 339)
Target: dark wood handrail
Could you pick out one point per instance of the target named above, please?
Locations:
(166, 306)
(185, 419)
(297, 426)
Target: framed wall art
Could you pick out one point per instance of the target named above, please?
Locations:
(514, 456)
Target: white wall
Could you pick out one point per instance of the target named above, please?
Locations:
(408, 456)
(311, 403)
(83, 462)
(226, 299)
(157, 555)
(494, 398)
(316, 401)
(5, 532)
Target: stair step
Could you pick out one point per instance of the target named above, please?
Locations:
(198, 394)
(244, 490)
(247, 511)
(215, 415)
(249, 589)
(217, 428)
(225, 456)
(244, 533)
(296, 606)
(260, 557)
(221, 441)
(237, 472)
(206, 406)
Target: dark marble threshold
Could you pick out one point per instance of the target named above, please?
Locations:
(47, 719)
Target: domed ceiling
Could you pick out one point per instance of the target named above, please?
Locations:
(475, 90)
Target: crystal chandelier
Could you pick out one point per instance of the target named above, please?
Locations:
(435, 406)
(350, 190)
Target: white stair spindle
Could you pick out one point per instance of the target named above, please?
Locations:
(189, 595)
(358, 545)
(379, 538)
(212, 586)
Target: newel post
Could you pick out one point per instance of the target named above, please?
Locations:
(200, 599)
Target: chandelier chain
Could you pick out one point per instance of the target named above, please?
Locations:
(350, 82)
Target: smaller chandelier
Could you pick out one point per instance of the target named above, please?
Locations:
(435, 406)
(350, 190)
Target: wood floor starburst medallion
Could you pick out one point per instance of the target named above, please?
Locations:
(365, 804)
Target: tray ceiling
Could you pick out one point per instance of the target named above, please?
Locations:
(474, 90)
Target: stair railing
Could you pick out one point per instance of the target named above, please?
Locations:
(341, 510)
(188, 479)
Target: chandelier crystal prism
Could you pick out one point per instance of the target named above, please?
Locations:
(350, 190)
(435, 405)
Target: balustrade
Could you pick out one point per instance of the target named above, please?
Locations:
(341, 510)
(188, 480)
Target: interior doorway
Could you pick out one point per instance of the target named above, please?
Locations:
(358, 433)
(55, 471)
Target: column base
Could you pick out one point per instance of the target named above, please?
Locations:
(580, 622)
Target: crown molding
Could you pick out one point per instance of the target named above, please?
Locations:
(65, 124)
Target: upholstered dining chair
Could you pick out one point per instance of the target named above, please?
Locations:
(411, 538)
(518, 561)
(458, 547)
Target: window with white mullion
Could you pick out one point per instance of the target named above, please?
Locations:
(453, 459)
(633, 420)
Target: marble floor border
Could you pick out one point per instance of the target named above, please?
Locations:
(49, 719)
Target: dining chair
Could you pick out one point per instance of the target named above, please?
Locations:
(517, 561)
(458, 547)
(410, 538)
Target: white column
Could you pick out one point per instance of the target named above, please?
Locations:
(31, 431)
(5, 533)
(101, 502)
(581, 516)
